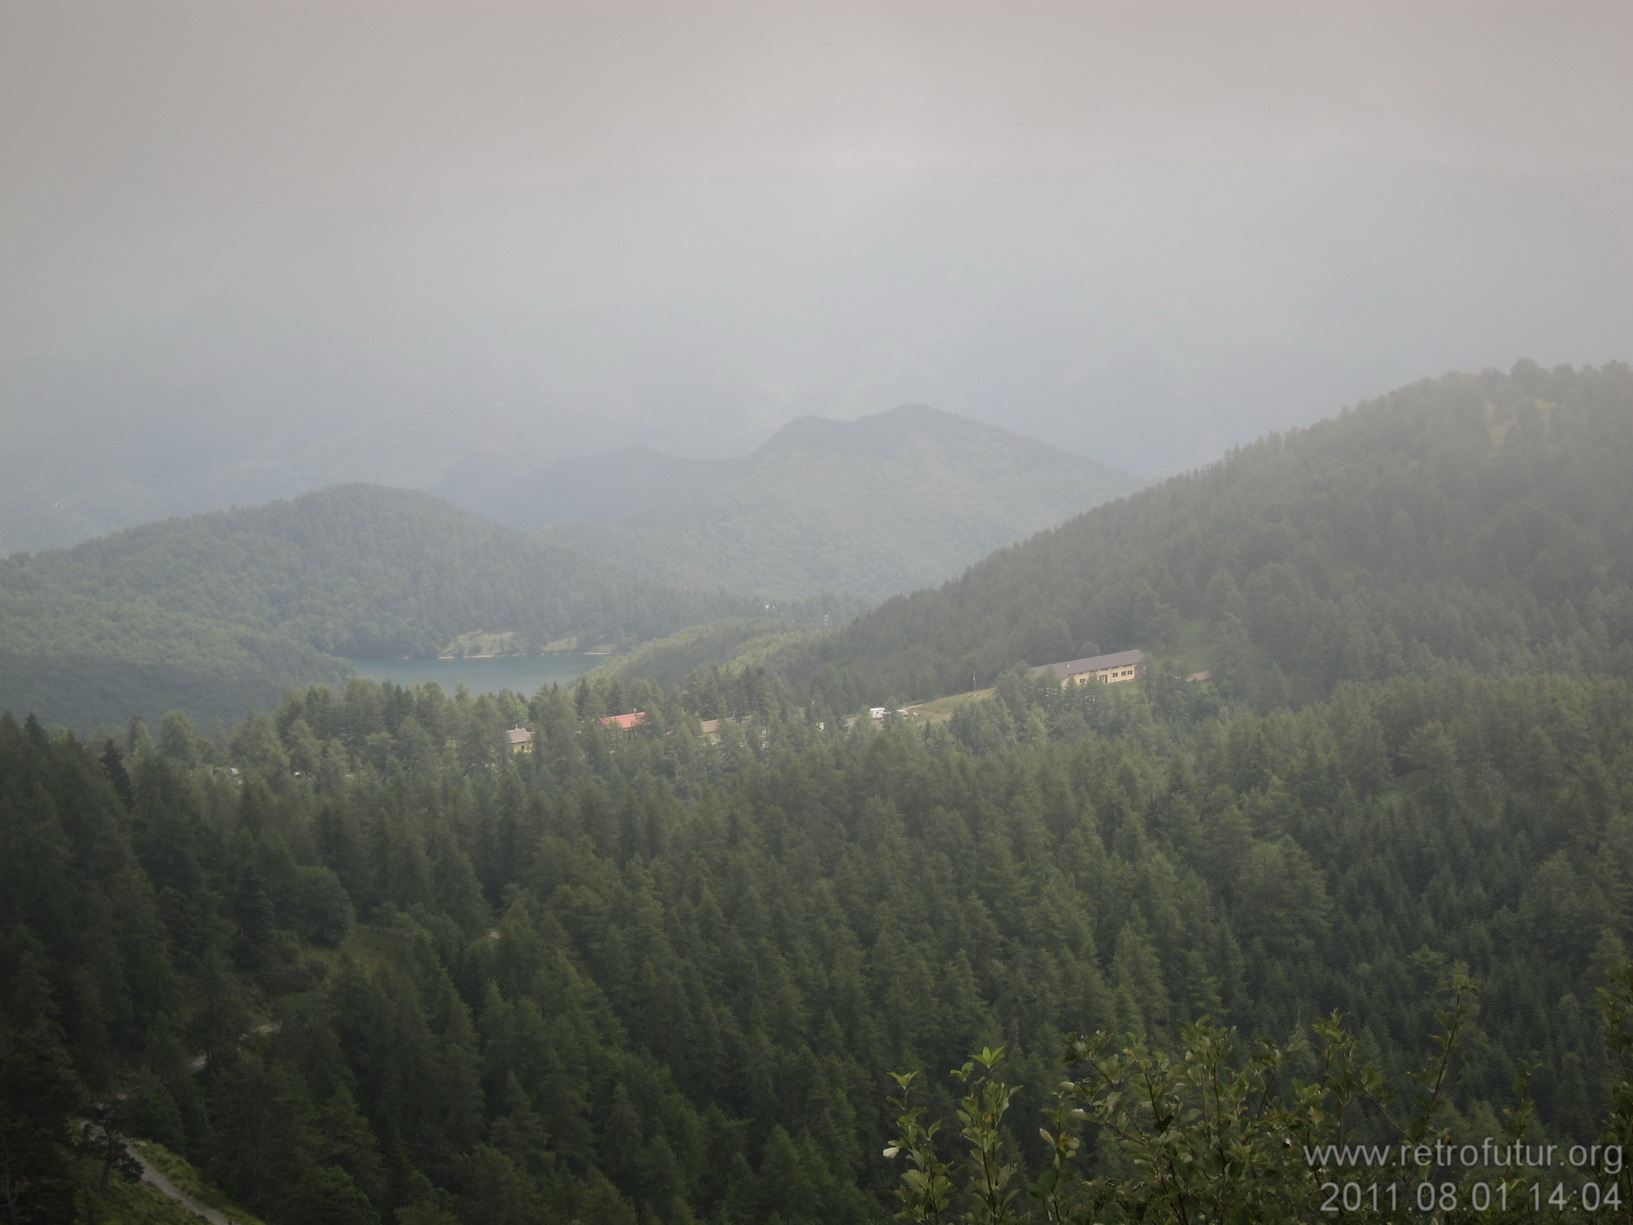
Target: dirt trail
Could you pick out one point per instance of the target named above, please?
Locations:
(152, 1175)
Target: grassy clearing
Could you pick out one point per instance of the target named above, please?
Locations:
(1498, 430)
(1193, 647)
(369, 948)
(479, 642)
(181, 1172)
(373, 948)
(941, 709)
(577, 646)
(126, 1203)
(730, 644)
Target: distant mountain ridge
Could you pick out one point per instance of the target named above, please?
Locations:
(600, 488)
(869, 507)
(1478, 519)
(1163, 312)
(220, 611)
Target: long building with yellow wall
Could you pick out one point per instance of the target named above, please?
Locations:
(1107, 669)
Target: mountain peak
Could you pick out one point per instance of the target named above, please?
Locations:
(867, 507)
(880, 433)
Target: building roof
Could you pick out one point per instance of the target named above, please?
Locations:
(1094, 663)
(625, 721)
(519, 735)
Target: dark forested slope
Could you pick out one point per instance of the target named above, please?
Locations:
(219, 611)
(867, 508)
(637, 977)
(1483, 518)
(652, 975)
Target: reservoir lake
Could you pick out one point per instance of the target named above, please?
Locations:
(521, 674)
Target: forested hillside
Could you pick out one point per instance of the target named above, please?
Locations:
(220, 612)
(733, 646)
(865, 508)
(637, 977)
(595, 488)
(361, 963)
(1481, 518)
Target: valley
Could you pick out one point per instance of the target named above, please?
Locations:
(816, 613)
(647, 942)
(218, 613)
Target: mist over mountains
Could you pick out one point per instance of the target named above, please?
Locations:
(1412, 761)
(1146, 314)
(865, 508)
(1483, 520)
(608, 488)
(218, 612)
(802, 380)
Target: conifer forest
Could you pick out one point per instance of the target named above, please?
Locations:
(1322, 915)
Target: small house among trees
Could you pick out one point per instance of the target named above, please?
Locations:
(520, 740)
(1108, 669)
(624, 722)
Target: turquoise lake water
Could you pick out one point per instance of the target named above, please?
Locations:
(520, 673)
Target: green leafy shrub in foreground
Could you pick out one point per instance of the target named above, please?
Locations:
(1203, 1135)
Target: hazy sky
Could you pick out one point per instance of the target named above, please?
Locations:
(154, 151)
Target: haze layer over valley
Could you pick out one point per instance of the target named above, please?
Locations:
(1372, 757)
(391, 244)
(1278, 796)
(865, 508)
